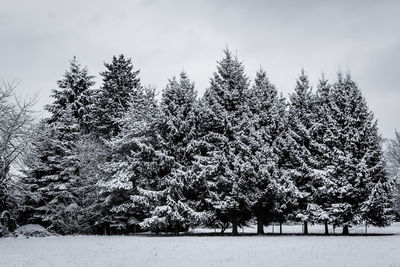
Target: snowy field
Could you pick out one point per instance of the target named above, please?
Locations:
(381, 248)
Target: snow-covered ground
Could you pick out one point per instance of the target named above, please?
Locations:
(270, 250)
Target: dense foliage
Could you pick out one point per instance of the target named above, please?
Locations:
(115, 160)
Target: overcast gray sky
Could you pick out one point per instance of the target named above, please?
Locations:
(38, 38)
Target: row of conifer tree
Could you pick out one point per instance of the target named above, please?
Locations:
(117, 159)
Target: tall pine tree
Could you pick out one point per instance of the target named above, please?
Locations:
(362, 189)
(52, 169)
(74, 92)
(224, 163)
(134, 163)
(176, 204)
(302, 162)
(271, 195)
(120, 84)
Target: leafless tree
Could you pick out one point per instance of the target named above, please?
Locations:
(393, 160)
(16, 120)
(393, 155)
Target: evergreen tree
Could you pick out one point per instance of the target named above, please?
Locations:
(52, 175)
(224, 163)
(362, 189)
(267, 130)
(74, 92)
(303, 146)
(323, 133)
(176, 203)
(134, 164)
(52, 168)
(120, 84)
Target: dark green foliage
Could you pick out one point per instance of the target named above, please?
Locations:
(224, 163)
(74, 93)
(112, 100)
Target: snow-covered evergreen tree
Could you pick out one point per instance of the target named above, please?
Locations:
(52, 168)
(362, 189)
(302, 147)
(135, 163)
(74, 92)
(224, 164)
(271, 196)
(323, 134)
(120, 83)
(176, 204)
(52, 174)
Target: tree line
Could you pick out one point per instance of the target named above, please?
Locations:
(115, 160)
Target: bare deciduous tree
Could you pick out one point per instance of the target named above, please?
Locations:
(393, 159)
(16, 119)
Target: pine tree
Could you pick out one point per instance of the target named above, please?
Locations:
(302, 161)
(74, 92)
(134, 164)
(52, 168)
(52, 175)
(362, 188)
(267, 130)
(120, 84)
(224, 163)
(323, 133)
(176, 204)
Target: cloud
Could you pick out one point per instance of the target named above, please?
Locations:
(164, 37)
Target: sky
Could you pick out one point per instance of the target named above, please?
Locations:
(163, 38)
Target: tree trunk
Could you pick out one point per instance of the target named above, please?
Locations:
(223, 227)
(260, 225)
(235, 227)
(176, 230)
(326, 228)
(345, 229)
(305, 228)
(280, 228)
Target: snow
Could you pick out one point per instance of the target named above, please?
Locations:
(32, 227)
(142, 250)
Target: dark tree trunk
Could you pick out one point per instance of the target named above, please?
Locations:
(176, 230)
(260, 225)
(223, 227)
(305, 228)
(280, 228)
(235, 227)
(345, 230)
(326, 228)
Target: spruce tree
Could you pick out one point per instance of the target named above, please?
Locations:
(323, 134)
(134, 163)
(362, 188)
(224, 163)
(270, 197)
(74, 92)
(302, 161)
(52, 169)
(52, 175)
(120, 84)
(176, 202)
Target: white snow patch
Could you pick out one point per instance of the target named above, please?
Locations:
(288, 250)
